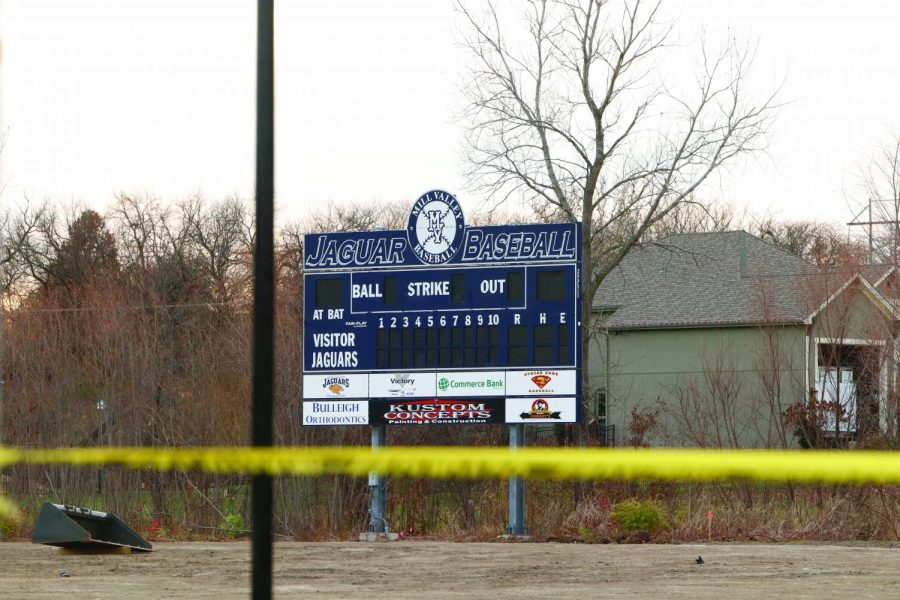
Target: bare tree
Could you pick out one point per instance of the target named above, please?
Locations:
(221, 234)
(818, 243)
(138, 222)
(698, 217)
(576, 117)
(15, 232)
(359, 216)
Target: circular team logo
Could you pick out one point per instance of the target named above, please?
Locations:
(435, 229)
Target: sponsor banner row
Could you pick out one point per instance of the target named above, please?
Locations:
(440, 412)
(444, 384)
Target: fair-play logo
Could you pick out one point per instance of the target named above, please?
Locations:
(435, 228)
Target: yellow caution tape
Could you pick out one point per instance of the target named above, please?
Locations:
(802, 466)
(7, 508)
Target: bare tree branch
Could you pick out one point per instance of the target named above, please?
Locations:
(571, 111)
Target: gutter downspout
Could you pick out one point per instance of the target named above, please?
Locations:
(607, 383)
(807, 366)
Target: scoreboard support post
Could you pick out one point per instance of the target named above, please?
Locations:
(378, 487)
(516, 486)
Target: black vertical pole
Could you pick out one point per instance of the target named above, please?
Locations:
(263, 297)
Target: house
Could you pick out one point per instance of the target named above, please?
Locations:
(724, 340)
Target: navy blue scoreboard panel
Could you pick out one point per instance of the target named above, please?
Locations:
(443, 323)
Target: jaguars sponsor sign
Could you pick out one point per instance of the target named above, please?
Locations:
(402, 385)
(541, 410)
(437, 412)
(335, 386)
(331, 412)
(541, 382)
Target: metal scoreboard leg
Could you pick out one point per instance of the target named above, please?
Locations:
(516, 486)
(378, 487)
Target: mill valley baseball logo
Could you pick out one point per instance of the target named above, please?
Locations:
(540, 409)
(435, 229)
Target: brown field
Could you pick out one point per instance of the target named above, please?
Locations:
(417, 569)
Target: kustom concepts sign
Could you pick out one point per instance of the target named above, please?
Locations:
(471, 383)
(437, 412)
(541, 410)
(336, 413)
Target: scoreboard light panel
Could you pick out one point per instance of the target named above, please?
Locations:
(458, 317)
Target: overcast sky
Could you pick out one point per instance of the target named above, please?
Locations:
(157, 96)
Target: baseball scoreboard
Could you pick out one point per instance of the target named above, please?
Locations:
(442, 323)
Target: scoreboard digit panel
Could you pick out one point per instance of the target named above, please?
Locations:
(442, 318)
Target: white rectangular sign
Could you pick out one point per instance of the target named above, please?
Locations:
(336, 386)
(465, 384)
(536, 382)
(402, 385)
(336, 412)
(541, 410)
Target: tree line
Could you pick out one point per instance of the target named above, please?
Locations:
(134, 328)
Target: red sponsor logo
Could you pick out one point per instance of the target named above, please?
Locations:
(541, 380)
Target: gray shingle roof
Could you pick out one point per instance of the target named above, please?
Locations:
(706, 279)
(874, 273)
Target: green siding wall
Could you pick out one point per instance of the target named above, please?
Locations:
(852, 315)
(723, 386)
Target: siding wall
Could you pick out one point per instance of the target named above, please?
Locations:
(739, 380)
(852, 315)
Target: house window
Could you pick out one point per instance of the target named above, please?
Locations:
(836, 387)
(851, 373)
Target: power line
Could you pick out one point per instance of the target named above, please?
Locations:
(138, 307)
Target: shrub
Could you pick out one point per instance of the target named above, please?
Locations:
(11, 525)
(233, 525)
(635, 515)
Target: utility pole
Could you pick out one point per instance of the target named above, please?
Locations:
(870, 222)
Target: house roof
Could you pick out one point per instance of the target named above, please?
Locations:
(707, 279)
(876, 273)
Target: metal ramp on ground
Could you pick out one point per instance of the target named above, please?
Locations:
(81, 529)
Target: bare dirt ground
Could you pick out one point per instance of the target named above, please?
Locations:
(420, 569)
